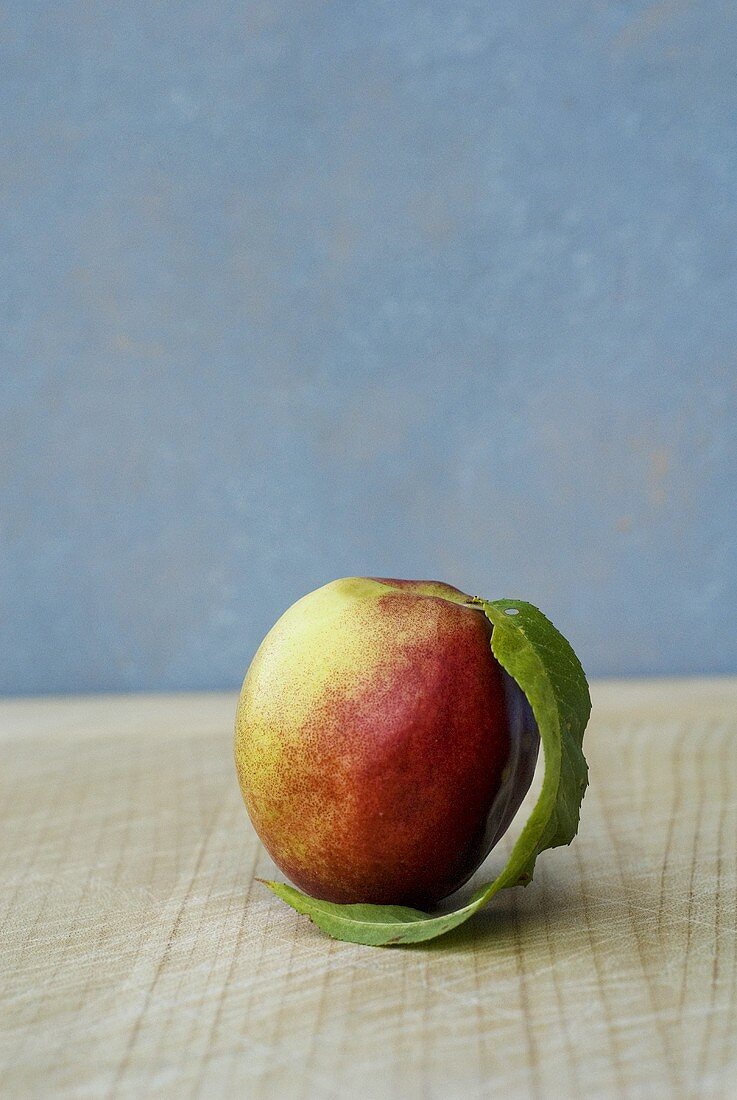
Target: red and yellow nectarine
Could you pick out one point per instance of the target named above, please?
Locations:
(380, 748)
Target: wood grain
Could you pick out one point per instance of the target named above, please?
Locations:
(139, 957)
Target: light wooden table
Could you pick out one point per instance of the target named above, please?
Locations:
(140, 958)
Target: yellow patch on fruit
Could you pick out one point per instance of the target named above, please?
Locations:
(297, 664)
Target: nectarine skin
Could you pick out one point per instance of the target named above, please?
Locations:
(372, 737)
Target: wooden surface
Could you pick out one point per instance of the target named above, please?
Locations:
(140, 958)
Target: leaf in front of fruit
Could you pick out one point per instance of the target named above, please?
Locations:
(543, 664)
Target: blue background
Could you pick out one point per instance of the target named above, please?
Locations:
(293, 291)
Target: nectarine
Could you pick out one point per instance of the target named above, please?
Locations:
(380, 748)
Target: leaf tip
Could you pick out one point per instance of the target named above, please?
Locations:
(269, 883)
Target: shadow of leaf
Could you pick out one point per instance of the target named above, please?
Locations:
(512, 916)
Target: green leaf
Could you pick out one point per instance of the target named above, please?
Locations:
(547, 670)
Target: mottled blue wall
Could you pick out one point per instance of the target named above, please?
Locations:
(291, 291)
